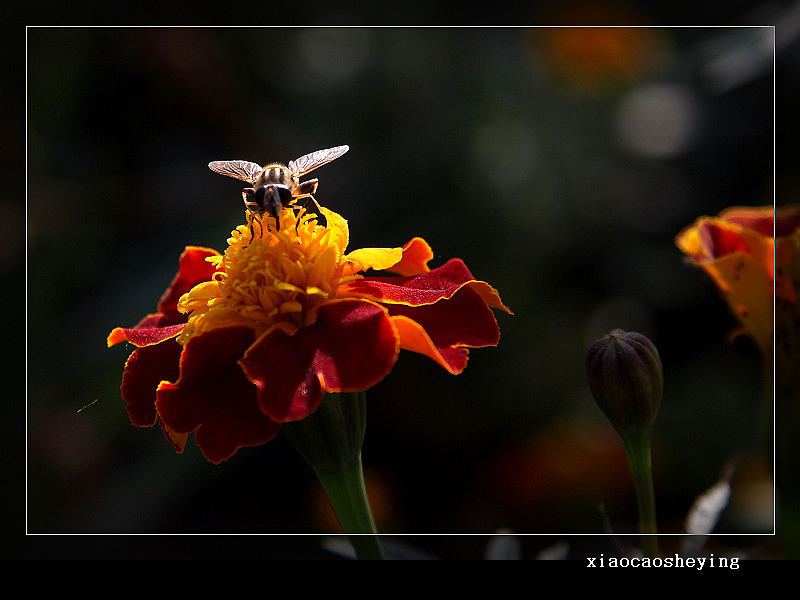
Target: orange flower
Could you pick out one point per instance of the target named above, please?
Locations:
(599, 58)
(753, 255)
(250, 339)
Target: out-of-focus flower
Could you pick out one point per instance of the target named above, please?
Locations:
(543, 481)
(596, 59)
(753, 256)
(250, 339)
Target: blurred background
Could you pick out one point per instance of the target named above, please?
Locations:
(558, 163)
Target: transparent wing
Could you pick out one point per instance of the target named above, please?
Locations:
(309, 162)
(240, 169)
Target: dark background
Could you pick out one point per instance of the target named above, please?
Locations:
(559, 164)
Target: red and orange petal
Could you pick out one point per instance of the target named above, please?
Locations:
(766, 220)
(411, 259)
(232, 390)
(712, 238)
(213, 398)
(440, 330)
(416, 255)
(168, 322)
(426, 288)
(748, 265)
(351, 345)
(739, 229)
(194, 269)
(144, 335)
(144, 370)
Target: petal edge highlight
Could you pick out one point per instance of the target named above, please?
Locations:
(426, 288)
(213, 398)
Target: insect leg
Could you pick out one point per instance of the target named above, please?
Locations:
(253, 211)
(306, 191)
(307, 187)
(317, 209)
(249, 199)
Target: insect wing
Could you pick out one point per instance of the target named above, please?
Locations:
(240, 169)
(309, 162)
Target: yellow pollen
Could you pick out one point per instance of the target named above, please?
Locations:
(270, 276)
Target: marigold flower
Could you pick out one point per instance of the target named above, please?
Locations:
(252, 338)
(753, 256)
(597, 59)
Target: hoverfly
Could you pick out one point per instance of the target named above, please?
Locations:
(278, 186)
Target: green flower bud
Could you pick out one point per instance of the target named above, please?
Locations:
(626, 380)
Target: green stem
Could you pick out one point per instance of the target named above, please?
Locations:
(348, 496)
(330, 440)
(637, 446)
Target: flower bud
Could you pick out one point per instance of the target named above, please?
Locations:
(626, 380)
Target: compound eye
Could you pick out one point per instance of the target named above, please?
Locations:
(285, 194)
(270, 194)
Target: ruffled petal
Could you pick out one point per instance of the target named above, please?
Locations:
(144, 370)
(427, 288)
(337, 228)
(415, 338)
(443, 331)
(193, 269)
(411, 259)
(142, 335)
(764, 220)
(416, 255)
(377, 259)
(213, 398)
(748, 291)
(168, 322)
(351, 345)
(750, 267)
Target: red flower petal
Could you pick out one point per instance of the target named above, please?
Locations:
(415, 338)
(144, 370)
(767, 221)
(759, 221)
(194, 269)
(213, 398)
(443, 331)
(721, 241)
(426, 288)
(142, 335)
(351, 346)
(168, 322)
(787, 220)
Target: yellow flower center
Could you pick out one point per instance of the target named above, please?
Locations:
(271, 276)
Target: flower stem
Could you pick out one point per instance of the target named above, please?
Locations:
(637, 445)
(348, 497)
(330, 440)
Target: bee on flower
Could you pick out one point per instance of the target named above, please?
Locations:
(246, 340)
